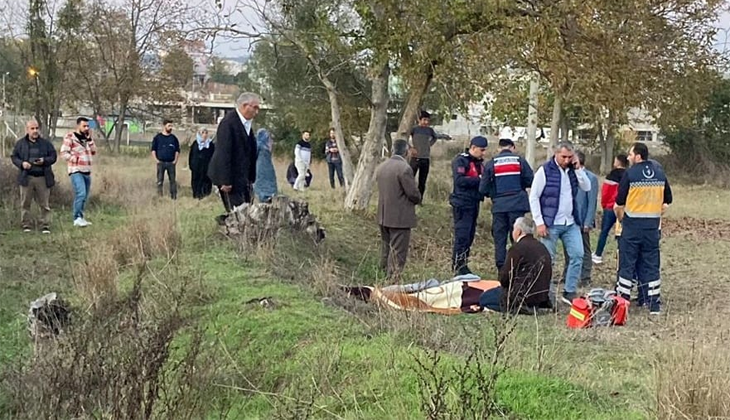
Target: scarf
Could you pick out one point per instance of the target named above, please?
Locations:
(202, 144)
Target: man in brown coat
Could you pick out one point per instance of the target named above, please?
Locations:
(397, 199)
(525, 276)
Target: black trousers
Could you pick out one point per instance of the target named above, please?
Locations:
(465, 227)
(202, 186)
(502, 224)
(235, 198)
(168, 167)
(421, 168)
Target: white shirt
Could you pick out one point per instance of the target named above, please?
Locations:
(246, 123)
(564, 216)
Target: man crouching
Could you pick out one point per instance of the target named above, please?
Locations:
(525, 276)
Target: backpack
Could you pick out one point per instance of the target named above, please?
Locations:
(599, 308)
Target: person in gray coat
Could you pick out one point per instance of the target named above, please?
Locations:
(398, 196)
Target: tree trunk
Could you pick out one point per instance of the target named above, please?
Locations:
(358, 197)
(413, 104)
(104, 134)
(120, 127)
(603, 169)
(555, 124)
(53, 123)
(347, 169)
(608, 136)
(532, 115)
(564, 129)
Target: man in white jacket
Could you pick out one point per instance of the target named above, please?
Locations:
(302, 160)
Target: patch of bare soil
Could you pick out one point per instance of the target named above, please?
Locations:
(699, 229)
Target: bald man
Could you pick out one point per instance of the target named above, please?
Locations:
(34, 156)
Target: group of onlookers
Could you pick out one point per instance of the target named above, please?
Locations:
(562, 198)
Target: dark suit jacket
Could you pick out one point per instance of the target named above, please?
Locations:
(526, 275)
(234, 159)
(397, 194)
(21, 153)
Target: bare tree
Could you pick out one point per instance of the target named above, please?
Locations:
(125, 41)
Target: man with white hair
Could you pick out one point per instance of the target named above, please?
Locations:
(525, 276)
(233, 165)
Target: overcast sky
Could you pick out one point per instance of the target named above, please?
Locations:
(246, 19)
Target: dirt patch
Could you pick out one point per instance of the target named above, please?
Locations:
(699, 229)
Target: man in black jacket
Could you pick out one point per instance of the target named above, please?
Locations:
(525, 275)
(233, 166)
(34, 156)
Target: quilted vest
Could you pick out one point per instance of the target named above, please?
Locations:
(550, 198)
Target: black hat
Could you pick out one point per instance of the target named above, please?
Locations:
(479, 141)
(506, 143)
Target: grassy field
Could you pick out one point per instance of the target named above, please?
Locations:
(167, 319)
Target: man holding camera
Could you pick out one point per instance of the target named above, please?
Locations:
(34, 156)
(555, 211)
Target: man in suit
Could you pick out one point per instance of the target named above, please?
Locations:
(397, 198)
(233, 165)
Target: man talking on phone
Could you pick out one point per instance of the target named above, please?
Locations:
(554, 209)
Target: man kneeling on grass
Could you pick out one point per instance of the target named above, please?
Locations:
(525, 276)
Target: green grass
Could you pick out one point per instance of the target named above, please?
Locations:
(305, 351)
(310, 352)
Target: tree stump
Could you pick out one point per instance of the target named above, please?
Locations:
(261, 222)
(47, 316)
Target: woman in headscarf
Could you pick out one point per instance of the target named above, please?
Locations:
(200, 153)
(265, 185)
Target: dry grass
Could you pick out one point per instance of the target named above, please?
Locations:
(693, 381)
(131, 351)
(695, 277)
(656, 376)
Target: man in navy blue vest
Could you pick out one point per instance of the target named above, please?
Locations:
(467, 169)
(587, 202)
(643, 195)
(555, 211)
(505, 180)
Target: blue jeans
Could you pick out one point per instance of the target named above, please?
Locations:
(81, 184)
(573, 243)
(609, 219)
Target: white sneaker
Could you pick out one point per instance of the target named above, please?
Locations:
(80, 222)
(597, 259)
(88, 223)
